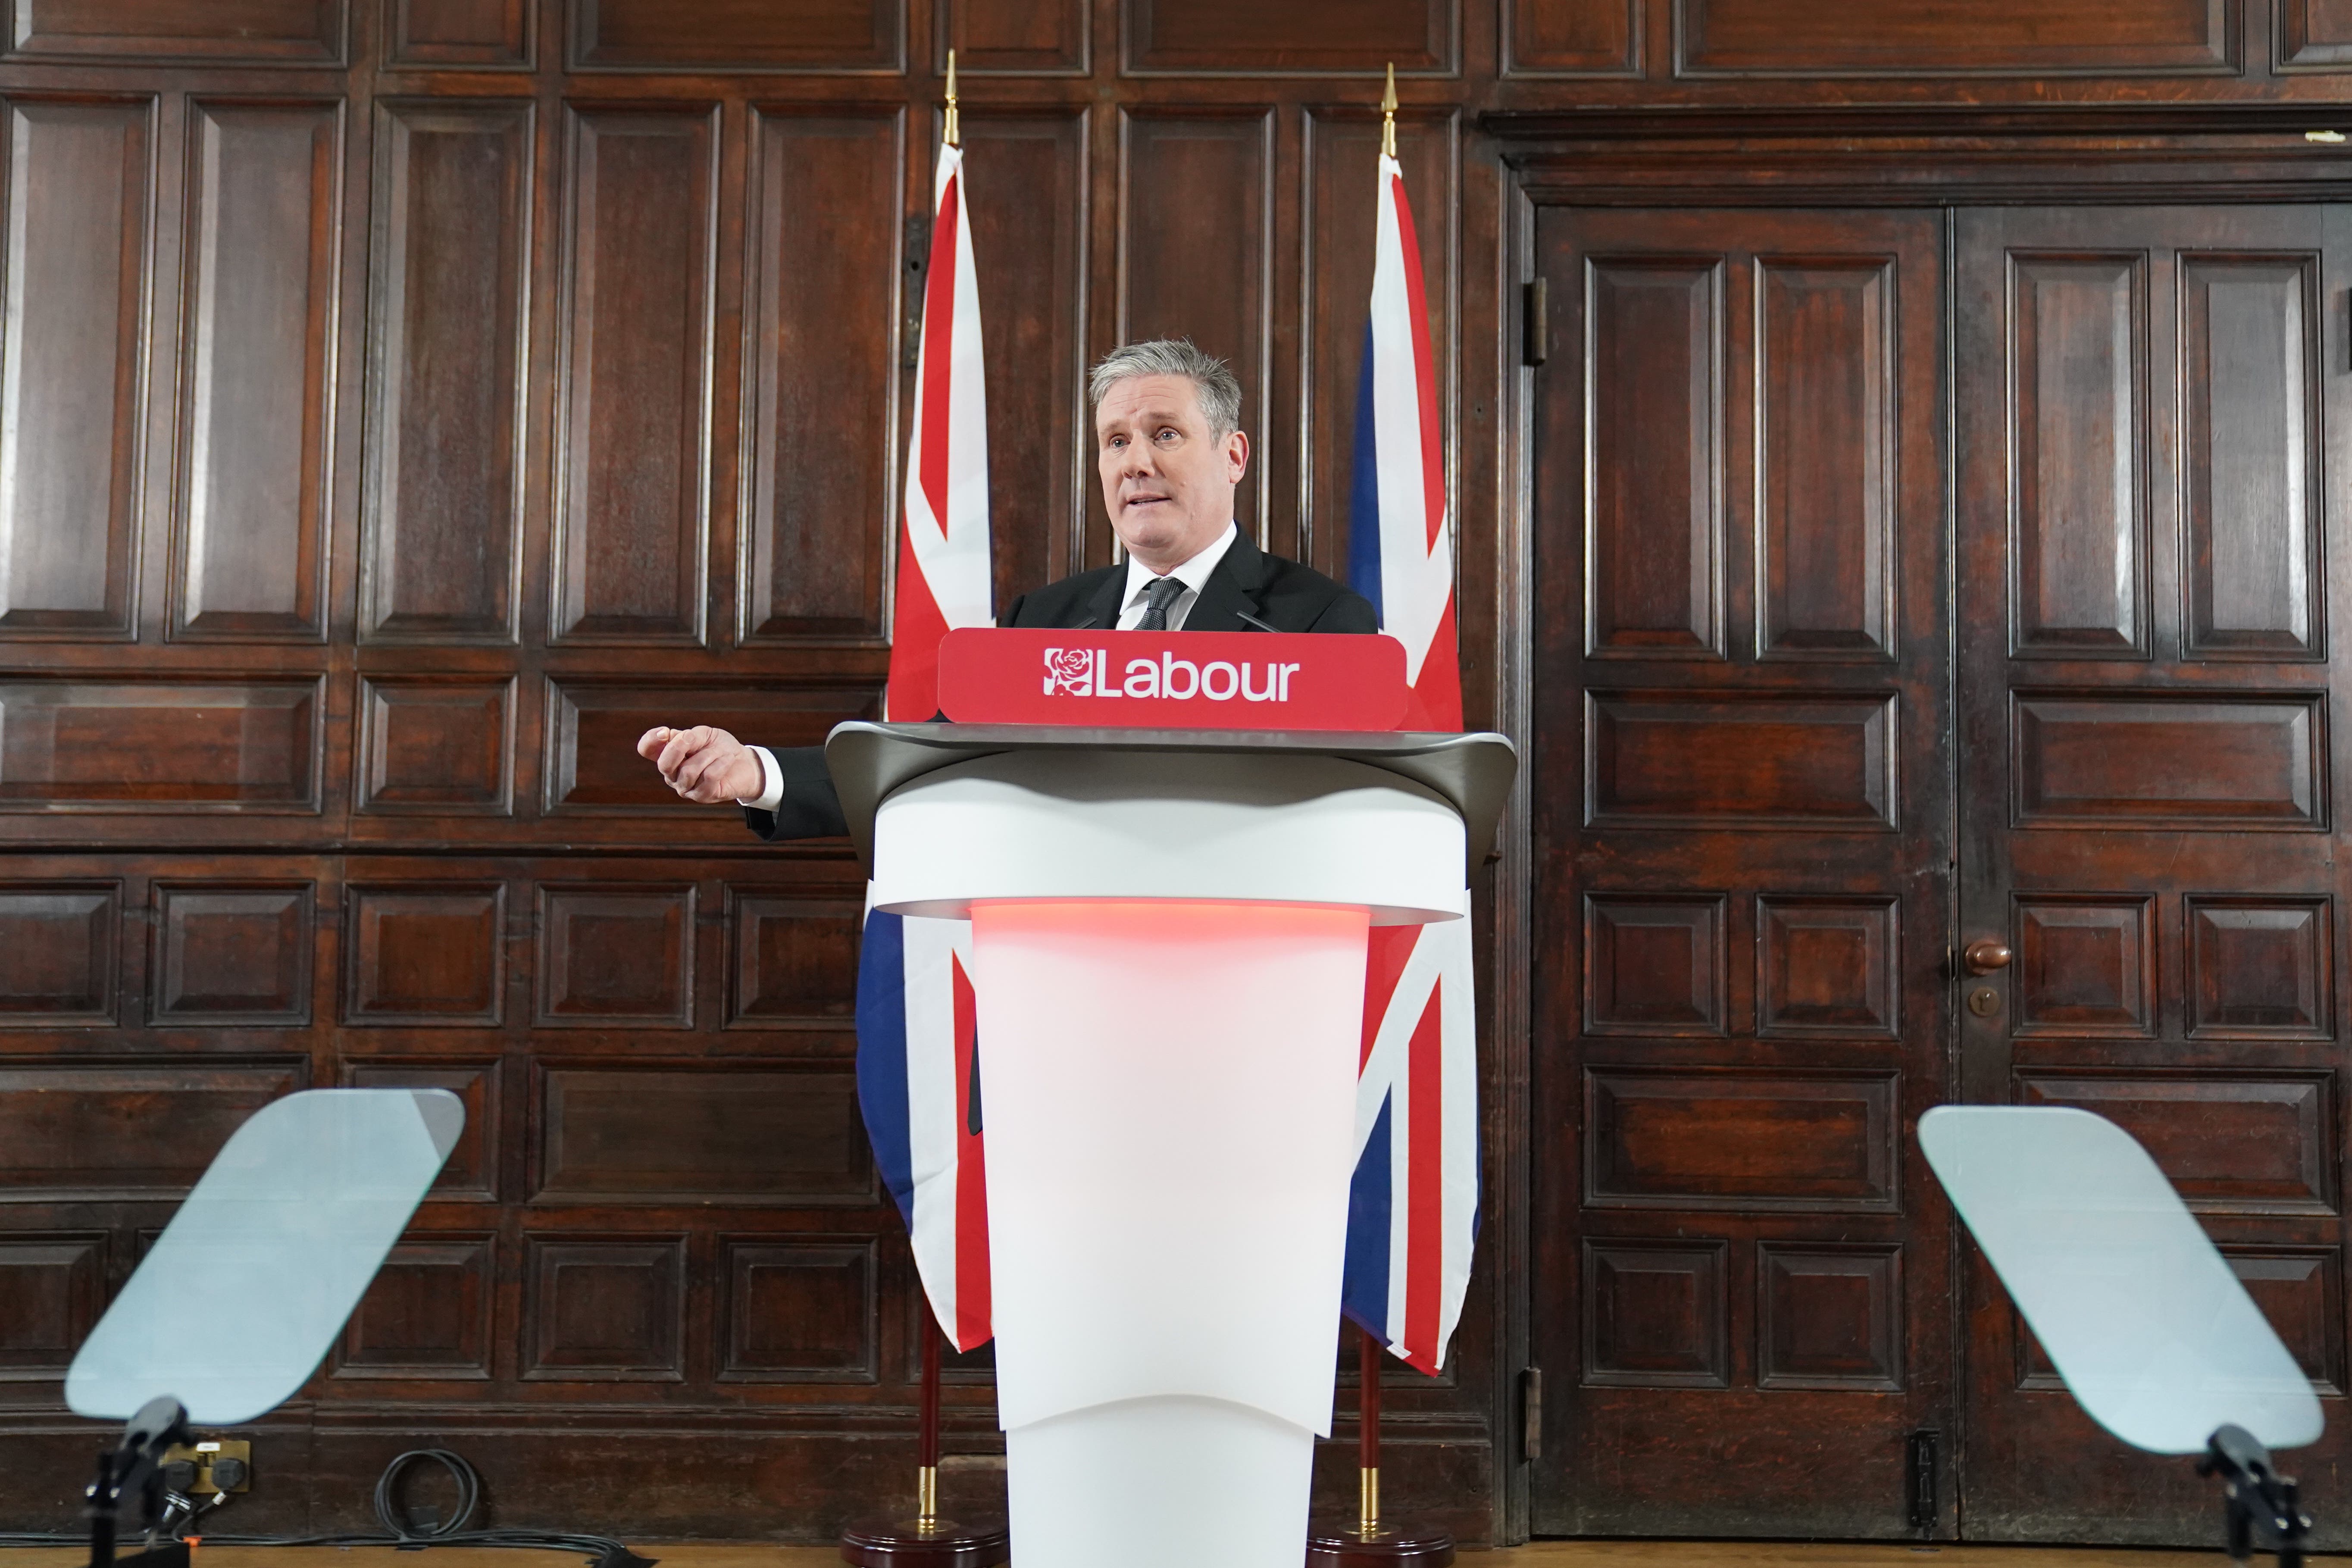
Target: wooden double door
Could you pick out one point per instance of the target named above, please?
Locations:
(1915, 585)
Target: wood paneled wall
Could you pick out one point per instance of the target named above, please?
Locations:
(404, 403)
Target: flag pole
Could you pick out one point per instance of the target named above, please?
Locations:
(1369, 1542)
(927, 1437)
(929, 1539)
(954, 137)
(1368, 1436)
(1387, 111)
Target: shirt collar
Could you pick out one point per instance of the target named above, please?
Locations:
(1192, 573)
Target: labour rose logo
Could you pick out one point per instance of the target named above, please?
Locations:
(1067, 672)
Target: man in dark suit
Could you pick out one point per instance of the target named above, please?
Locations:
(1170, 448)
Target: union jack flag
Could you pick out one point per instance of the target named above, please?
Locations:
(1413, 1206)
(917, 1059)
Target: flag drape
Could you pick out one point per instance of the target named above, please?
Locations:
(918, 1049)
(944, 578)
(1413, 1204)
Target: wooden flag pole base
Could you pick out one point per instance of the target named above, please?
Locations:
(1424, 1545)
(1370, 1541)
(927, 1541)
(901, 1543)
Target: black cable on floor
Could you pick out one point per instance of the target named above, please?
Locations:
(400, 1530)
(389, 1514)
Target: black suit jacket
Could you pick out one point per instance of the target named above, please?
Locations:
(1249, 590)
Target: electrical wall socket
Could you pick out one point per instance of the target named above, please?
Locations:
(211, 1452)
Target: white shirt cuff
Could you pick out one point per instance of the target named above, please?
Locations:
(772, 782)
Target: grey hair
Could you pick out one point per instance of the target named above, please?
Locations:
(1213, 381)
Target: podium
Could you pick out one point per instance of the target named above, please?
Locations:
(1168, 933)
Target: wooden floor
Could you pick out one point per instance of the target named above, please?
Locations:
(1545, 1555)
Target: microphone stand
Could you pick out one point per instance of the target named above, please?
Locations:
(135, 1464)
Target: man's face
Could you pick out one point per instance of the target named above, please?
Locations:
(1168, 482)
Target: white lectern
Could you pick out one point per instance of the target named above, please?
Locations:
(1168, 930)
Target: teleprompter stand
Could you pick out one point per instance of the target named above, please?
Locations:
(2153, 1334)
(134, 1467)
(928, 1540)
(271, 1251)
(1370, 1541)
(2260, 1510)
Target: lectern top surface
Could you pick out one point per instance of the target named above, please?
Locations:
(1473, 772)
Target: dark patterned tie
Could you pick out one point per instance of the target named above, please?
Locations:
(1157, 596)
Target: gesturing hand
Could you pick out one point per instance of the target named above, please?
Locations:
(706, 765)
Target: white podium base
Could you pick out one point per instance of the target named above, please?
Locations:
(1175, 1482)
(1168, 1090)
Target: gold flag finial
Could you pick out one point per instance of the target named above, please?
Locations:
(955, 134)
(1388, 114)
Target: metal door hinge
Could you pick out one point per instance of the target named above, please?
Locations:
(1531, 1413)
(1536, 322)
(917, 252)
(1919, 1481)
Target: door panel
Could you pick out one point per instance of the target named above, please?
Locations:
(2147, 748)
(1742, 818)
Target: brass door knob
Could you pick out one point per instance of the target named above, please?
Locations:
(1984, 957)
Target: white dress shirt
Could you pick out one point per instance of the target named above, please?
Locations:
(1192, 573)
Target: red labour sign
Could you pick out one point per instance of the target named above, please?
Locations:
(1171, 680)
